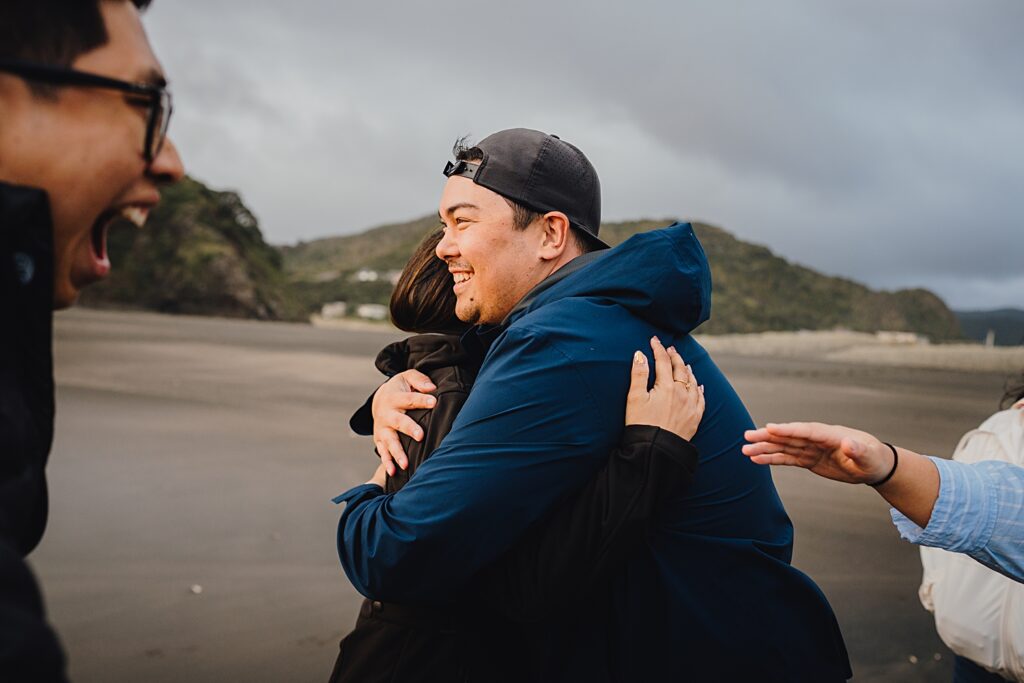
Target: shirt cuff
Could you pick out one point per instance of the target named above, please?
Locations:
(962, 519)
(358, 494)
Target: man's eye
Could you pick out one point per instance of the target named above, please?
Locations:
(140, 102)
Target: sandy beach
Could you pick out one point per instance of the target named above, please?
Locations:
(191, 534)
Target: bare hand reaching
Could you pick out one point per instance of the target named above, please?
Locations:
(675, 403)
(831, 451)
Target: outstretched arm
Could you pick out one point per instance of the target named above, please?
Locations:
(564, 557)
(851, 456)
(976, 509)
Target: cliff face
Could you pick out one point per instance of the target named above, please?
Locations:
(201, 252)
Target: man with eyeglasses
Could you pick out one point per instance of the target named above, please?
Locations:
(83, 122)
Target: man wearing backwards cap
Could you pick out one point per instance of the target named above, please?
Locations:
(556, 312)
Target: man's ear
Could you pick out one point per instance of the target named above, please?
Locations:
(555, 238)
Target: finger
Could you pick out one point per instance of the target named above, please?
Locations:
(797, 429)
(639, 375)
(406, 425)
(811, 431)
(662, 364)
(679, 371)
(418, 381)
(777, 459)
(409, 400)
(859, 454)
(691, 379)
(853, 449)
(754, 435)
(794, 442)
(386, 461)
(394, 446)
(771, 434)
(763, 447)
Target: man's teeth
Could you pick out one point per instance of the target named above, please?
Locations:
(461, 277)
(135, 214)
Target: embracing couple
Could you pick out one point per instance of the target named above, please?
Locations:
(540, 512)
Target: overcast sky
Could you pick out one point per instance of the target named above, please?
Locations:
(877, 140)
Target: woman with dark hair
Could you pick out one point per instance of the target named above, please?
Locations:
(1014, 391)
(560, 561)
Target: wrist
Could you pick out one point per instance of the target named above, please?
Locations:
(892, 470)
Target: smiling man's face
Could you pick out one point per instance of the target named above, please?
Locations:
(84, 147)
(493, 265)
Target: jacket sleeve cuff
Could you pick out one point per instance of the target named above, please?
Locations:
(358, 494)
(670, 445)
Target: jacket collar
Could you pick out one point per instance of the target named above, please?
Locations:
(478, 339)
(423, 352)
(551, 280)
(26, 245)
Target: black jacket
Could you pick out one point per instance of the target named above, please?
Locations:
(554, 566)
(29, 650)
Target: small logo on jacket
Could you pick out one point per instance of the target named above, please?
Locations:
(24, 267)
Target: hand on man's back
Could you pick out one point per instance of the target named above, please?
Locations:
(405, 391)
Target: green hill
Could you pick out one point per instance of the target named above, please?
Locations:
(754, 290)
(201, 252)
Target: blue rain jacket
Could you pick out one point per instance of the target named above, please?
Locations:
(710, 595)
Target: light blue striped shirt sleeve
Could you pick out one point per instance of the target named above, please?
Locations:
(979, 512)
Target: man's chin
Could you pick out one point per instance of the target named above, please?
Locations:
(65, 294)
(62, 300)
(470, 317)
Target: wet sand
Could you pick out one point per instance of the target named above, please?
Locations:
(191, 530)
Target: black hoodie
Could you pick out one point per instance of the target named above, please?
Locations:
(28, 647)
(558, 563)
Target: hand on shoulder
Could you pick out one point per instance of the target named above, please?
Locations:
(675, 402)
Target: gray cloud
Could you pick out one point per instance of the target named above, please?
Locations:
(873, 140)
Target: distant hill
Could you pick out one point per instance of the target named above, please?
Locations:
(1006, 323)
(201, 252)
(326, 269)
(754, 290)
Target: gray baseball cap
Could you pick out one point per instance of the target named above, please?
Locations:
(540, 171)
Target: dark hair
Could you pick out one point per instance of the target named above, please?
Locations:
(522, 215)
(423, 300)
(1014, 391)
(52, 32)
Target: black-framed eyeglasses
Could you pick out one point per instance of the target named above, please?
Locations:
(157, 98)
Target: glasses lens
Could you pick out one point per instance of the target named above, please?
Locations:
(160, 120)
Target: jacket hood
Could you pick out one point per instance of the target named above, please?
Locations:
(661, 276)
(423, 352)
